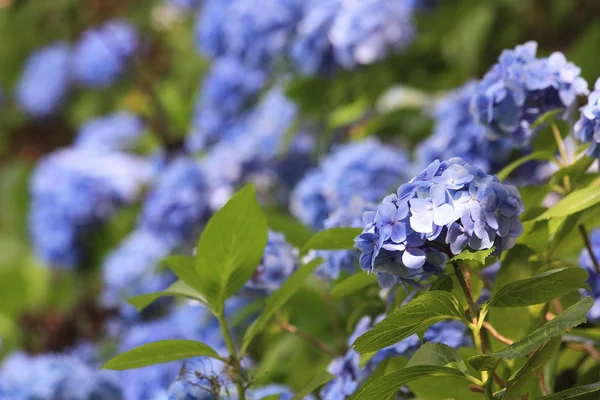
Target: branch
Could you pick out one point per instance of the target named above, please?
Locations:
(497, 334)
(590, 249)
(308, 337)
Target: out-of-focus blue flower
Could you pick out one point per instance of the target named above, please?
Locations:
(44, 83)
(367, 169)
(585, 260)
(270, 390)
(101, 54)
(334, 262)
(279, 261)
(448, 207)
(51, 376)
(114, 132)
(200, 378)
(520, 88)
(177, 203)
(457, 134)
(587, 128)
(132, 269)
(348, 33)
(74, 189)
(227, 91)
(209, 30)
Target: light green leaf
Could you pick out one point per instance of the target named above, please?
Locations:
(437, 354)
(159, 352)
(185, 269)
(573, 392)
(333, 239)
(535, 362)
(178, 288)
(387, 386)
(386, 367)
(479, 256)
(536, 155)
(546, 118)
(540, 288)
(442, 283)
(577, 200)
(574, 171)
(295, 233)
(231, 247)
(483, 362)
(321, 378)
(352, 284)
(414, 317)
(571, 317)
(278, 300)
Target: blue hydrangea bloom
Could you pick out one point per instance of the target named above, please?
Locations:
(367, 169)
(54, 376)
(347, 33)
(587, 128)
(131, 269)
(457, 134)
(73, 189)
(334, 262)
(520, 88)
(101, 54)
(448, 207)
(209, 29)
(227, 91)
(114, 132)
(177, 203)
(200, 378)
(585, 260)
(279, 261)
(44, 83)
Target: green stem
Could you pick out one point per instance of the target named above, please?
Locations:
(561, 146)
(466, 290)
(487, 388)
(479, 347)
(235, 361)
(590, 249)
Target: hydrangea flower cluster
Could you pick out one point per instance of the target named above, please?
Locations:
(53, 376)
(520, 88)
(367, 169)
(347, 33)
(587, 128)
(457, 134)
(585, 260)
(279, 261)
(349, 374)
(448, 207)
(74, 189)
(115, 132)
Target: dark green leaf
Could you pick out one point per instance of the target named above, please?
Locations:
(483, 362)
(333, 239)
(546, 118)
(159, 352)
(414, 317)
(536, 155)
(442, 283)
(568, 319)
(387, 386)
(535, 362)
(573, 392)
(468, 255)
(231, 247)
(576, 201)
(352, 284)
(295, 233)
(540, 288)
(278, 300)
(178, 288)
(437, 354)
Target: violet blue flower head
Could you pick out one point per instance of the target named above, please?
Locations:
(115, 132)
(448, 207)
(102, 54)
(365, 168)
(585, 260)
(74, 189)
(55, 376)
(209, 29)
(587, 128)
(44, 83)
(520, 88)
(348, 33)
(200, 378)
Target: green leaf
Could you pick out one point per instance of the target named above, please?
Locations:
(179, 289)
(568, 319)
(442, 283)
(295, 233)
(231, 247)
(536, 155)
(546, 118)
(483, 362)
(574, 171)
(414, 317)
(387, 386)
(321, 378)
(540, 288)
(468, 255)
(185, 269)
(333, 239)
(535, 362)
(437, 354)
(353, 284)
(576, 201)
(278, 300)
(573, 392)
(159, 352)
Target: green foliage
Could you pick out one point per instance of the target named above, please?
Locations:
(536, 155)
(478, 256)
(179, 289)
(321, 378)
(578, 200)
(159, 352)
(295, 233)
(483, 362)
(573, 392)
(437, 354)
(352, 284)
(333, 239)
